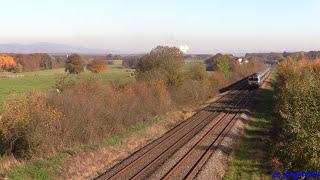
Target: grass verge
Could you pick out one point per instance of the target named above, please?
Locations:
(116, 139)
(37, 169)
(252, 158)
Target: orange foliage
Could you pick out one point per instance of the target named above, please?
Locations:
(304, 64)
(97, 66)
(316, 65)
(298, 66)
(7, 62)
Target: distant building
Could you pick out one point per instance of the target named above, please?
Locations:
(242, 60)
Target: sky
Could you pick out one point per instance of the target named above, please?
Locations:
(135, 26)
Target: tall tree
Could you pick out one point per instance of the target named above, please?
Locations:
(164, 63)
(74, 64)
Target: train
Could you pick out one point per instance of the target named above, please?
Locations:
(257, 79)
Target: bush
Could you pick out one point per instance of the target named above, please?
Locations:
(298, 108)
(219, 80)
(198, 72)
(97, 66)
(74, 64)
(84, 112)
(29, 125)
(191, 92)
(195, 87)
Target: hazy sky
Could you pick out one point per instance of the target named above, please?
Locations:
(206, 26)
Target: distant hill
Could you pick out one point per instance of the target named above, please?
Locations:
(50, 48)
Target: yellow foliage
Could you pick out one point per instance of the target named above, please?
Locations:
(30, 118)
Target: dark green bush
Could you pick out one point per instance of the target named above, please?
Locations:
(74, 64)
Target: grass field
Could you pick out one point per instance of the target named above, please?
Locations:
(11, 83)
(252, 159)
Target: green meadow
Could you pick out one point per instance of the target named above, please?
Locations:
(15, 83)
(11, 83)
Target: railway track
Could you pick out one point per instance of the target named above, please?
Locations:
(220, 115)
(192, 162)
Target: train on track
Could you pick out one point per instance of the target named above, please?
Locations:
(257, 79)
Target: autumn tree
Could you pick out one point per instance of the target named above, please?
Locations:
(216, 62)
(35, 61)
(74, 64)
(46, 61)
(97, 66)
(223, 64)
(163, 63)
(220, 62)
(198, 72)
(18, 68)
(130, 62)
(58, 61)
(7, 63)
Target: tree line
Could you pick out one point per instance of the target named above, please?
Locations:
(29, 62)
(311, 55)
(73, 64)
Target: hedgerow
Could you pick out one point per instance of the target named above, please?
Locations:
(297, 95)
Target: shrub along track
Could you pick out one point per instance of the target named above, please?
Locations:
(221, 115)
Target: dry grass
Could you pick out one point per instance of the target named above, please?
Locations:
(39, 124)
(87, 164)
(7, 162)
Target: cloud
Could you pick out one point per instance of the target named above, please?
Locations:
(184, 48)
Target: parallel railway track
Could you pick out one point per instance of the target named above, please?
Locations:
(222, 114)
(191, 163)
